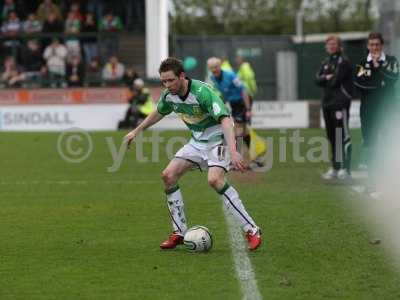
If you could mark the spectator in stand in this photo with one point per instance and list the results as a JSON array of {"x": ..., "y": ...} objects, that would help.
[
  {"x": 72, "y": 24},
  {"x": 46, "y": 8},
  {"x": 31, "y": 56},
  {"x": 75, "y": 72},
  {"x": 90, "y": 46},
  {"x": 110, "y": 24},
  {"x": 76, "y": 10},
  {"x": 32, "y": 25},
  {"x": 113, "y": 71},
  {"x": 51, "y": 25},
  {"x": 93, "y": 76},
  {"x": 130, "y": 76},
  {"x": 72, "y": 27},
  {"x": 10, "y": 29},
  {"x": 32, "y": 61},
  {"x": 8, "y": 6},
  {"x": 56, "y": 55},
  {"x": 96, "y": 7},
  {"x": 12, "y": 74}
]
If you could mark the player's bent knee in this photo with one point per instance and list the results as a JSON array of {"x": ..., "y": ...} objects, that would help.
[
  {"x": 216, "y": 182},
  {"x": 168, "y": 177}
]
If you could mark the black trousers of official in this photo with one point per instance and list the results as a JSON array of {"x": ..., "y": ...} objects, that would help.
[
  {"x": 372, "y": 121},
  {"x": 337, "y": 131},
  {"x": 376, "y": 117}
]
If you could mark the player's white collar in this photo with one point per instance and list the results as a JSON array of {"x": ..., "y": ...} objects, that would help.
[{"x": 381, "y": 58}]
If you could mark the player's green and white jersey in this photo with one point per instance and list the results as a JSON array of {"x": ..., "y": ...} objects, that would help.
[{"x": 200, "y": 109}]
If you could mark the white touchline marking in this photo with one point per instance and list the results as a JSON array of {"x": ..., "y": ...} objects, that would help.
[
  {"x": 360, "y": 189},
  {"x": 359, "y": 174},
  {"x": 244, "y": 270}
]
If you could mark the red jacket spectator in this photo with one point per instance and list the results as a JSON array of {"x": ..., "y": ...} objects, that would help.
[{"x": 76, "y": 10}]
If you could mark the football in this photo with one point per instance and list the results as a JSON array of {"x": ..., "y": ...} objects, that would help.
[{"x": 198, "y": 239}]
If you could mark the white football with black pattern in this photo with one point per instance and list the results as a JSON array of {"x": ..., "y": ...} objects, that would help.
[{"x": 198, "y": 239}]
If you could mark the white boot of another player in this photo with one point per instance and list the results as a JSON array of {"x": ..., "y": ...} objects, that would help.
[
  {"x": 342, "y": 174},
  {"x": 330, "y": 174}
]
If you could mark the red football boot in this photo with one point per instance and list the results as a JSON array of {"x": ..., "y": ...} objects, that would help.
[
  {"x": 254, "y": 240},
  {"x": 174, "y": 239}
]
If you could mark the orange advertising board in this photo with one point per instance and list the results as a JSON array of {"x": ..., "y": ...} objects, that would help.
[{"x": 63, "y": 96}]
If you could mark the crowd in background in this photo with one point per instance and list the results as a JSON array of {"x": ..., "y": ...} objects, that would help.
[{"x": 63, "y": 43}]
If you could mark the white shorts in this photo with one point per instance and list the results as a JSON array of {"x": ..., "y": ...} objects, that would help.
[{"x": 216, "y": 156}]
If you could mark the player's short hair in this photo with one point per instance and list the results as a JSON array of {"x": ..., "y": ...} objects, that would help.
[
  {"x": 171, "y": 64},
  {"x": 334, "y": 37},
  {"x": 213, "y": 61},
  {"x": 376, "y": 36}
]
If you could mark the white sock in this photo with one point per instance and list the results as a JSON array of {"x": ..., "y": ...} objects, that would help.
[
  {"x": 234, "y": 205},
  {"x": 176, "y": 209}
]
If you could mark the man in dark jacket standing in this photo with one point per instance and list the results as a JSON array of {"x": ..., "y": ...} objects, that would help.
[
  {"x": 335, "y": 76},
  {"x": 376, "y": 76}
]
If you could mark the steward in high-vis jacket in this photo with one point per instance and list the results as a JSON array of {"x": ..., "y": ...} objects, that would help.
[{"x": 140, "y": 105}]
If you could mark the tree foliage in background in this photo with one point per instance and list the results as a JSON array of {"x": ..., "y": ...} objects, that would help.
[{"x": 269, "y": 16}]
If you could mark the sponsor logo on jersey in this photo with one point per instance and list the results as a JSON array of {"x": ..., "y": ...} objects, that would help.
[
  {"x": 363, "y": 72},
  {"x": 216, "y": 108},
  {"x": 360, "y": 72},
  {"x": 197, "y": 110},
  {"x": 192, "y": 119}
]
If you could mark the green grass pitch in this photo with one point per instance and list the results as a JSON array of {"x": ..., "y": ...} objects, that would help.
[{"x": 77, "y": 231}]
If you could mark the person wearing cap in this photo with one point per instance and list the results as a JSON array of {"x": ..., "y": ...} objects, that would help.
[{"x": 140, "y": 105}]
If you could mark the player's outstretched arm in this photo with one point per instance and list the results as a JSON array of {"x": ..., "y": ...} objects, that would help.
[
  {"x": 150, "y": 120},
  {"x": 229, "y": 134}
]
